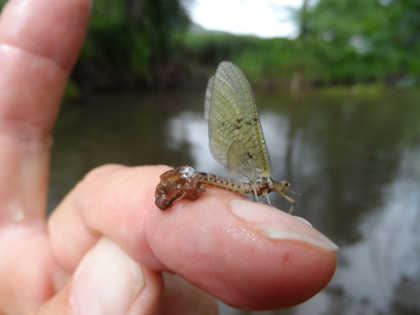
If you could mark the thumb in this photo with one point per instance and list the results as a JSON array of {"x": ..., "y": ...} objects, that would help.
[{"x": 107, "y": 281}]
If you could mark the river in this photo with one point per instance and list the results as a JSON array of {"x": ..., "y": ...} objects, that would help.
[{"x": 353, "y": 157}]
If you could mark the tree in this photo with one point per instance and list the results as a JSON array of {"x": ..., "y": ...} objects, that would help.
[{"x": 366, "y": 39}]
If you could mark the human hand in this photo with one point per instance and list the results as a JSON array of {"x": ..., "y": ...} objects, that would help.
[{"x": 104, "y": 248}]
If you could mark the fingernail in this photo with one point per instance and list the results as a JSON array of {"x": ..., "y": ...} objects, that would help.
[
  {"x": 278, "y": 225},
  {"x": 107, "y": 281}
]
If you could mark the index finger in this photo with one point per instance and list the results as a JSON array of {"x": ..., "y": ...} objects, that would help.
[{"x": 247, "y": 254}]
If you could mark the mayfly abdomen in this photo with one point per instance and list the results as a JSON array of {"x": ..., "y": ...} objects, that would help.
[{"x": 225, "y": 183}]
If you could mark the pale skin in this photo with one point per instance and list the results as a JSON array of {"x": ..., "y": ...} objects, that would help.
[{"x": 105, "y": 247}]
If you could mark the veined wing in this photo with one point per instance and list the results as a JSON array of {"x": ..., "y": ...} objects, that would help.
[{"x": 235, "y": 134}]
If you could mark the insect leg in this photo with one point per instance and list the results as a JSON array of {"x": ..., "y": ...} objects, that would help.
[
  {"x": 267, "y": 197},
  {"x": 291, "y": 201},
  {"x": 255, "y": 193}
]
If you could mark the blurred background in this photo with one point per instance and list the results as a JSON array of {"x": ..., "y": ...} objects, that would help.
[{"x": 337, "y": 84}]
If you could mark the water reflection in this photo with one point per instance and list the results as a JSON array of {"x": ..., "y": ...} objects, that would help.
[
  {"x": 360, "y": 186},
  {"x": 355, "y": 160},
  {"x": 385, "y": 263},
  {"x": 191, "y": 128}
]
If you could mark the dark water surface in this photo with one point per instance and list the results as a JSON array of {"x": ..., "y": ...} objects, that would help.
[{"x": 356, "y": 161}]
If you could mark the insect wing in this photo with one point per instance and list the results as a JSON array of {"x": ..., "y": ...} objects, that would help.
[{"x": 235, "y": 134}]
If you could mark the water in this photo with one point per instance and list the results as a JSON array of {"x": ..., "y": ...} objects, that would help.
[{"x": 356, "y": 161}]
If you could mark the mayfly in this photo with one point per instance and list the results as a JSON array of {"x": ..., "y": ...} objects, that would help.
[{"x": 236, "y": 141}]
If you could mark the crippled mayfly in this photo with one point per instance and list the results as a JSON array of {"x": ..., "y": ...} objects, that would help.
[{"x": 236, "y": 141}]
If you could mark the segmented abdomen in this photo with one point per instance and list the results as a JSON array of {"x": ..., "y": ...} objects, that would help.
[{"x": 225, "y": 183}]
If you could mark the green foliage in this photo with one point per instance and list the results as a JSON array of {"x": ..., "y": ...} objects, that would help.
[
  {"x": 366, "y": 39},
  {"x": 344, "y": 42},
  {"x": 72, "y": 91},
  {"x": 210, "y": 48},
  {"x": 161, "y": 18},
  {"x": 128, "y": 38},
  {"x": 260, "y": 58}
]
